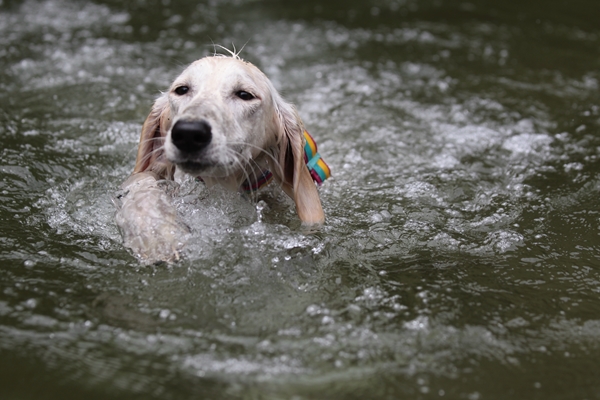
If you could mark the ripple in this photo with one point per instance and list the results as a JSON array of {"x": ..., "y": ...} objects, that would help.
[{"x": 461, "y": 234}]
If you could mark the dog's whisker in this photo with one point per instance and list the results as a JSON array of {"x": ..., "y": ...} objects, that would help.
[
  {"x": 270, "y": 156},
  {"x": 148, "y": 156},
  {"x": 241, "y": 162}
]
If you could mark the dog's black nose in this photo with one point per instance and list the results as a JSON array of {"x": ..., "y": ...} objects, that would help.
[{"x": 191, "y": 136}]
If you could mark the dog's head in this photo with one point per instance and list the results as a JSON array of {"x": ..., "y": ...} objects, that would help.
[{"x": 222, "y": 120}]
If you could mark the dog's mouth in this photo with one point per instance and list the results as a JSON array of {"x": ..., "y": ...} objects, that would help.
[
  {"x": 195, "y": 167},
  {"x": 213, "y": 161},
  {"x": 198, "y": 168}
]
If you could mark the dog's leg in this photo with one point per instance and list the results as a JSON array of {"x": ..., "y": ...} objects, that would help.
[{"x": 148, "y": 221}]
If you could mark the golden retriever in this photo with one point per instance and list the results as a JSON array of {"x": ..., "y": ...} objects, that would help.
[{"x": 223, "y": 122}]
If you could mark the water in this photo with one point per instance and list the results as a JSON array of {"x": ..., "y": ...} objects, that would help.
[{"x": 460, "y": 255}]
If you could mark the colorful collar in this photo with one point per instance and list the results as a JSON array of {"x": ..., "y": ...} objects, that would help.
[
  {"x": 252, "y": 186},
  {"x": 318, "y": 168}
]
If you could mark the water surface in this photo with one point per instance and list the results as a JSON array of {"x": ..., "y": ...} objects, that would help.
[{"x": 460, "y": 254}]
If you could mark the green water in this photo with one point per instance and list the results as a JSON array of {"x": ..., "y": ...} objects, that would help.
[{"x": 460, "y": 258}]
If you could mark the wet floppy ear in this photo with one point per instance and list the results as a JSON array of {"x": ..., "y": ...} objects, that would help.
[
  {"x": 293, "y": 174},
  {"x": 150, "y": 156}
]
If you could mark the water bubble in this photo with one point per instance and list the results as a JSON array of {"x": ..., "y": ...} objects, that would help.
[
  {"x": 313, "y": 310},
  {"x": 31, "y": 303},
  {"x": 418, "y": 324}
]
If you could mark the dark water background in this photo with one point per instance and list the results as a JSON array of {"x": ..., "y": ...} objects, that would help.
[{"x": 461, "y": 253}]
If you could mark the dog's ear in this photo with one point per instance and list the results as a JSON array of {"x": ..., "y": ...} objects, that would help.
[
  {"x": 150, "y": 156},
  {"x": 293, "y": 173}
]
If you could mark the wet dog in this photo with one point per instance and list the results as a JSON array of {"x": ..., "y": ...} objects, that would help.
[{"x": 223, "y": 122}]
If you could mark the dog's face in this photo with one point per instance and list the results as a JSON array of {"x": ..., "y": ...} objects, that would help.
[{"x": 221, "y": 117}]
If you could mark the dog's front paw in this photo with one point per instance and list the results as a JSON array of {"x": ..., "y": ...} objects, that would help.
[{"x": 148, "y": 221}]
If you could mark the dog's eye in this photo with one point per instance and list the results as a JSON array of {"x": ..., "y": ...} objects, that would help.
[
  {"x": 181, "y": 90},
  {"x": 246, "y": 96}
]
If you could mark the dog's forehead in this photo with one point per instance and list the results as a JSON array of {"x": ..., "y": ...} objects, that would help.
[{"x": 224, "y": 69}]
